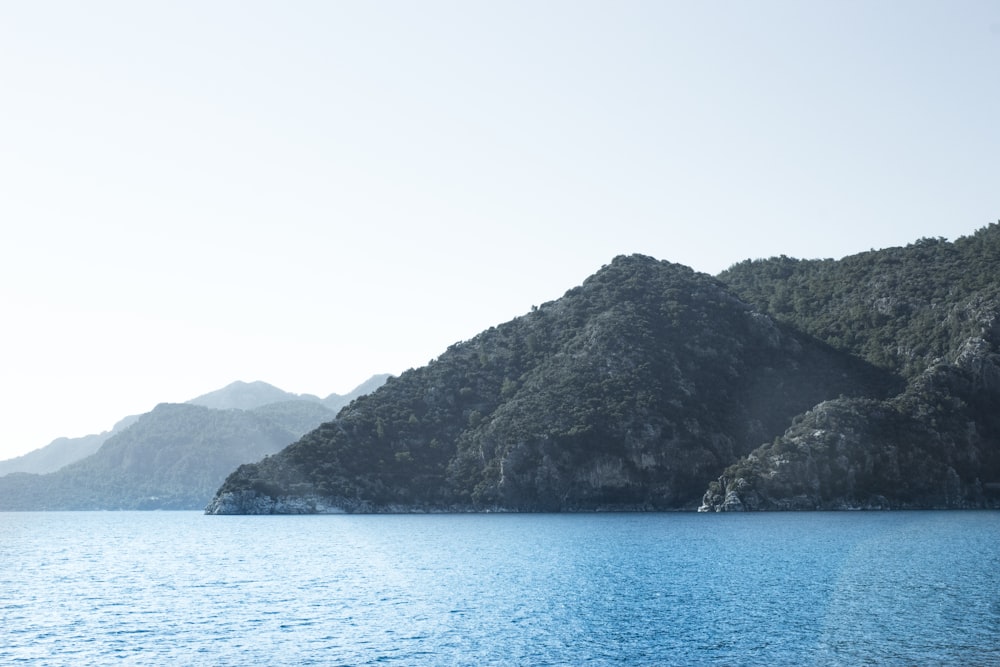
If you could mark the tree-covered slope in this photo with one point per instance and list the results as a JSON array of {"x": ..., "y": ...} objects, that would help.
[
  {"x": 337, "y": 401},
  {"x": 903, "y": 309},
  {"x": 632, "y": 391},
  {"x": 930, "y": 312}
]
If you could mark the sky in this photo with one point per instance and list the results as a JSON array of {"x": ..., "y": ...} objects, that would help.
[{"x": 308, "y": 193}]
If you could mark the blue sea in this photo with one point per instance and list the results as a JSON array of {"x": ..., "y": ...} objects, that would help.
[{"x": 181, "y": 588}]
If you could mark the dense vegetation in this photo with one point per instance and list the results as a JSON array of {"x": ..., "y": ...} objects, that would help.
[
  {"x": 868, "y": 382},
  {"x": 633, "y": 391},
  {"x": 930, "y": 313},
  {"x": 900, "y": 308}
]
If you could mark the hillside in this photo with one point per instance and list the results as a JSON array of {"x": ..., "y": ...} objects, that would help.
[
  {"x": 173, "y": 457},
  {"x": 632, "y": 391},
  {"x": 867, "y": 382},
  {"x": 929, "y": 312},
  {"x": 899, "y": 308}
]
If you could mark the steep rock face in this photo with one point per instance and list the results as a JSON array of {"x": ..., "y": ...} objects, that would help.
[
  {"x": 250, "y": 502},
  {"x": 630, "y": 392}
]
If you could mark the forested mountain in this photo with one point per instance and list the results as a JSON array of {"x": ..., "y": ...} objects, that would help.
[
  {"x": 173, "y": 457},
  {"x": 930, "y": 313},
  {"x": 633, "y": 391},
  {"x": 872, "y": 381},
  {"x": 335, "y": 402},
  {"x": 900, "y": 308}
]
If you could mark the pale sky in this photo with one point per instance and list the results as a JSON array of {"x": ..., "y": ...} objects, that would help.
[{"x": 311, "y": 192}]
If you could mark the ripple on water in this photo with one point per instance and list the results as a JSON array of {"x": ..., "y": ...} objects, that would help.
[{"x": 672, "y": 589}]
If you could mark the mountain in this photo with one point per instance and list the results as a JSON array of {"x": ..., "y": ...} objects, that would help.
[
  {"x": 336, "y": 402},
  {"x": 173, "y": 457},
  {"x": 61, "y": 452},
  {"x": 867, "y": 382},
  {"x": 928, "y": 313},
  {"x": 632, "y": 391},
  {"x": 238, "y": 395},
  {"x": 249, "y": 395}
]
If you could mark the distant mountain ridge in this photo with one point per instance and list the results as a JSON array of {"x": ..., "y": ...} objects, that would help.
[
  {"x": 867, "y": 382},
  {"x": 173, "y": 457},
  {"x": 62, "y": 451},
  {"x": 241, "y": 395},
  {"x": 237, "y": 395}
]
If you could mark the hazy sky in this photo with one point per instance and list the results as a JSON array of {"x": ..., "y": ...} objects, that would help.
[{"x": 309, "y": 193}]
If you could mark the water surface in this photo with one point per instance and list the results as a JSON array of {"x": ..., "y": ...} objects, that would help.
[{"x": 155, "y": 588}]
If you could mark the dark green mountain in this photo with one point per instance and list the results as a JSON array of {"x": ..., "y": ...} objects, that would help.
[
  {"x": 929, "y": 313},
  {"x": 173, "y": 457},
  {"x": 632, "y": 391}
]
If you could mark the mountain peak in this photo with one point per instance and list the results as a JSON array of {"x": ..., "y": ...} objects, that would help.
[{"x": 241, "y": 395}]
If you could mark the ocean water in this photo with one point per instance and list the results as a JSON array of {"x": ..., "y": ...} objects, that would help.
[{"x": 181, "y": 588}]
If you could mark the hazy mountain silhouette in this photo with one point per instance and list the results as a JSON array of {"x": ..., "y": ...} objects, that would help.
[{"x": 173, "y": 457}]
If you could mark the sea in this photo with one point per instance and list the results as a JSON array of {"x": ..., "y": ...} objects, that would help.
[{"x": 182, "y": 588}]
